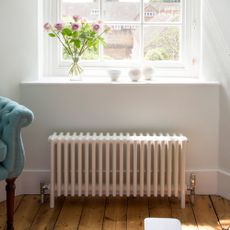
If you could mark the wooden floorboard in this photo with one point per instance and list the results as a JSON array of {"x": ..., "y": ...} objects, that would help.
[
  {"x": 137, "y": 211},
  {"x": 26, "y": 212},
  {"x": 208, "y": 213},
  {"x": 222, "y": 208},
  {"x": 115, "y": 214},
  {"x": 186, "y": 215},
  {"x": 70, "y": 214},
  {"x": 205, "y": 214},
  {"x": 160, "y": 207},
  {"x": 46, "y": 217},
  {"x": 3, "y": 210},
  {"x": 92, "y": 214}
]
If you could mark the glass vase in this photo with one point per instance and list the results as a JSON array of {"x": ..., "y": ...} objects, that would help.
[{"x": 75, "y": 70}]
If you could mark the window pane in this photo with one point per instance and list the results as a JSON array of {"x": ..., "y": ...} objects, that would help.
[
  {"x": 162, "y": 43},
  {"x": 162, "y": 10},
  {"x": 121, "y": 10},
  {"x": 84, "y": 8},
  {"x": 87, "y": 55},
  {"x": 90, "y": 55},
  {"x": 122, "y": 43}
]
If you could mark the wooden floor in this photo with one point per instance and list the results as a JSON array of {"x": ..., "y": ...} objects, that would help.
[{"x": 209, "y": 212}]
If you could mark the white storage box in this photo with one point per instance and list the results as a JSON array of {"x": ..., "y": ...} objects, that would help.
[{"x": 162, "y": 224}]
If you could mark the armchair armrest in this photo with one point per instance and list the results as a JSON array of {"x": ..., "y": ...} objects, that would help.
[{"x": 13, "y": 117}]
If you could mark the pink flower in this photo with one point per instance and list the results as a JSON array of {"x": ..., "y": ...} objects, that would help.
[
  {"x": 58, "y": 26},
  {"x": 75, "y": 26},
  {"x": 76, "y": 18},
  {"x": 47, "y": 26},
  {"x": 96, "y": 27}
]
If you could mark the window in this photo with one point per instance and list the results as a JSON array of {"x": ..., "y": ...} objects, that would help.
[{"x": 162, "y": 32}]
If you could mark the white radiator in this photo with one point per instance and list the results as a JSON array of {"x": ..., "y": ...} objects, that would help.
[{"x": 117, "y": 165}]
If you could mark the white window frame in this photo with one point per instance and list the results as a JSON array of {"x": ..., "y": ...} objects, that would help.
[{"x": 50, "y": 54}]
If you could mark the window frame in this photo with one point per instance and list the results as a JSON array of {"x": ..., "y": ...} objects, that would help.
[{"x": 52, "y": 65}]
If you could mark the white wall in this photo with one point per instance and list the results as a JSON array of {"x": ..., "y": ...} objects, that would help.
[
  {"x": 18, "y": 44},
  {"x": 18, "y": 51},
  {"x": 216, "y": 66},
  {"x": 188, "y": 108}
]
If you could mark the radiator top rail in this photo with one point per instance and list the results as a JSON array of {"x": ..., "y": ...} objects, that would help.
[{"x": 116, "y": 137}]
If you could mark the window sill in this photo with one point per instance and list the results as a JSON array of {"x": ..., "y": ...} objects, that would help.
[{"x": 121, "y": 81}]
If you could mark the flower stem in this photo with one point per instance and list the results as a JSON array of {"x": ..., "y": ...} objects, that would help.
[
  {"x": 75, "y": 69},
  {"x": 66, "y": 48}
]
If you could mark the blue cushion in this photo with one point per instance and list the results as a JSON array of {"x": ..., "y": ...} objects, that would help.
[{"x": 3, "y": 150}]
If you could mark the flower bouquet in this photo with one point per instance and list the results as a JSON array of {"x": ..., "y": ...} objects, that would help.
[{"x": 76, "y": 37}]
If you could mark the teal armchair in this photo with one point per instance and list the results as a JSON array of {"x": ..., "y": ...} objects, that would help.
[{"x": 13, "y": 117}]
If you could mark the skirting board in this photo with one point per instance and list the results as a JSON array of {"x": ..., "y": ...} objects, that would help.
[
  {"x": 224, "y": 184},
  {"x": 29, "y": 182}
]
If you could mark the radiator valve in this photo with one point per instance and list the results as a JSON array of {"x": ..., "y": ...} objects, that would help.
[
  {"x": 192, "y": 187},
  {"x": 43, "y": 191}
]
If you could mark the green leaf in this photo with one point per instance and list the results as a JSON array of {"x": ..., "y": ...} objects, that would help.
[
  {"x": 66, "y": 32},
  {"x": 90, "y": 43},
  {"x": 77, "y": 43},
  {"x": 75, "y": 33},
  {"x": 83, "y": 35},
  {"x": 52, "y": 35}
]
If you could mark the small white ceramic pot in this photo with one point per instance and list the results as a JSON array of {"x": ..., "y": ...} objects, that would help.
[
  {"x": 148, "y": 72},
  {"x": 134, "y": 74},
  {"x": 114, "y": 74}
]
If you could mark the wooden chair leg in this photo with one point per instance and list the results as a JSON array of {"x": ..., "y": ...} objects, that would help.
[{"x": 10, "y": 195}]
